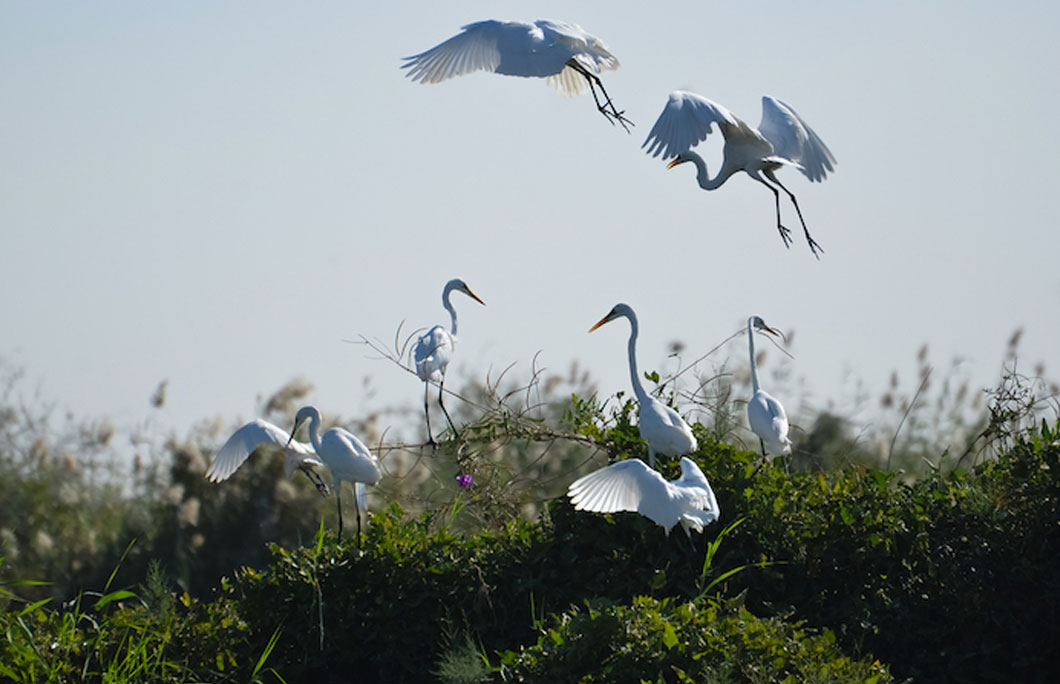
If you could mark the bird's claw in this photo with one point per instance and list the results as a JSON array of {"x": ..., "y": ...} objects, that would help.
[
  {"x": 814, "y": 247},
  {"x": 785, "y": 235}
]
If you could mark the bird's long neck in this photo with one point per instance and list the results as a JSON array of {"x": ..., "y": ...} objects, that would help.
[
  {"x": 314, "y": 431},
  {"x": 452, "y": 312},
  {"x": 634, "y": 376},
  {"x": 751, "y": 346},
  {"x": 703, "y": 177}
]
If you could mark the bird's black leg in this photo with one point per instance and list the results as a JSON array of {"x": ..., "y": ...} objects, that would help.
[
  {"x": 317, "y": 481},
  {"x": 762, "y": 444},
  {"x": 357, "y": 509},
  {"x": 613, "y": 115},
  {"x": 338, "y": 499},
  {"x": 814, "y": 247},
  {"x": 441, "y": 391},
  {"x": 785, "y": 234},
  {"x": 427, "y": 413}
]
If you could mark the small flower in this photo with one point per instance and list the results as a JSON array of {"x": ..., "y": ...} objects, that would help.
[{"x": 464, "y": 481}]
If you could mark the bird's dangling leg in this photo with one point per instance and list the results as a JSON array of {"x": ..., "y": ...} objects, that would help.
[
  {"x": 814, "y": 247},
  {"x": 357, "y": 509},
  {"x": 785, "y": 234},
  {"x": 427, "y": 413},
  {"x": 317, "y": 481},
  {"x": 613, "y": 115},
  {"x": 441, "y": 391}
]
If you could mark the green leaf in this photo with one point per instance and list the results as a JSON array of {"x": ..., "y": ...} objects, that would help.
[
  {"x": 113, "y": 596},
  {"x": 669, "y": 636}
]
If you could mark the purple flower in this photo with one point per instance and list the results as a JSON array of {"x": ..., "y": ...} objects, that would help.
[{"x": 464, "y": 481}]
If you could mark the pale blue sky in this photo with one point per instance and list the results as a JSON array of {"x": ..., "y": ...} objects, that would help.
[{"x": 219, "y": 193}]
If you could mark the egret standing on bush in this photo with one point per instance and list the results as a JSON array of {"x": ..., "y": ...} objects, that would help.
[
  {"x": 631, "y": 485},
  {"x": 568, "y": 57},
  {"x": 433, "y": 350},
  {"x": 782, "y": 139},
  {"x": 346, "y": 457},
  {"x": 764, "y": 413},
  {"x": 660, "y": 426}
]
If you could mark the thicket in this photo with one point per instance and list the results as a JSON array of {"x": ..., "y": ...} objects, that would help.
[{"x": 832, "y": 575}]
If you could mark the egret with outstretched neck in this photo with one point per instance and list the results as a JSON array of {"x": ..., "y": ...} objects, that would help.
[
  {"x": 660, "y": 426},
  {"x": 781, "y": 139},
  {"x": 433, "y": 351},
  {"x": 345, "y": 455}
]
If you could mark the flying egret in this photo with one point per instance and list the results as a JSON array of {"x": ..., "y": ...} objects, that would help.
[
  {"x": 433, "y": 350},
  {"x": 262, "y": 434},
  {"x": 660, "y": 426},
  {"x": 631, "y": 485},
  {"x": 344, "y": 454},
  {"x": 764, "y": 413},
  {"x": 565, "y": 55},
  {"x": 782, "y": 139}
]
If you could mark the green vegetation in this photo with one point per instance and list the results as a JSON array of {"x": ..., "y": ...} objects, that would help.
[{"x": 841, "y": 574}]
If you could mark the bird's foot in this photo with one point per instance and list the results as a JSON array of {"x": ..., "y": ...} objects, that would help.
[
  {"x": 785, "y": 235},
  {"x": 814, "y": 247},
  {"x": 322, "y": 487},
  {"x": 614, "y": 116}
]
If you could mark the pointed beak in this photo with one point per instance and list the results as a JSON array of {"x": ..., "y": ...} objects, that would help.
[
  {"x": 775, "y": 331},
  {"x": 291, "y": 438},
  {"x": 600, "y": 322},
  {"x": 674, "y": 163},
  {"x": 474, "y": 296}
]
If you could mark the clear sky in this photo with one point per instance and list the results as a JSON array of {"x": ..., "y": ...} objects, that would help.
[{"x": 219, "y": 193}]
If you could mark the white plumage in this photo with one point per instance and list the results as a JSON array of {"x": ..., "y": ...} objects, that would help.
[
  {"x": 569, "y": 58},
  {"x": 765, "y": 414},
  {"x": 263, "y": 435},
  {"x": 660, "y": 426},
  {"x": 433, "y": 350},
  {"x": 632, "y": 486},
  {"x": 783, "y": 138}
]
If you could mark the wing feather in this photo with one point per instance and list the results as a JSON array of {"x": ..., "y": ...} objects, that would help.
[
  {"x": 244, "y": 441},
  {"x": 475, "y": 49},
  {"x": 793, "y": 139},
  {"x": 686, "y": 120}
]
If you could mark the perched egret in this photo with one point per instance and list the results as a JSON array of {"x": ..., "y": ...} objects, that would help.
[
  {"x": 631, "y": 485},
  {"x": 764, "y": 413},
  {"x": 660, "y": 426},
  {"x": 263, "y": 434},
  {"x": 782, "y": 139},
  {"x": 344, "y": 454},
  {"x": 433, "y": 350},
  {"x": 564, "y": 54}
]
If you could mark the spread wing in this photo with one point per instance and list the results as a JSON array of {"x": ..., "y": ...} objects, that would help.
[
  {"x": 475, "y": 49},
  {"x": 245, "y": 440},
  {"x": 686, "y": 120},
  {"x": 793, "y": 139},
  {"x": 626, "y": 486}
]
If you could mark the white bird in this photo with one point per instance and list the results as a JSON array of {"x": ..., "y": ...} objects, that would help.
[
  {"x": 782, "y": 139},
  {"x": 261, "y": 434},
  {"x": 565, "y": 55},
  {"x": 344, "y": 454},
  {"x": 631, "y": 485},
  {"x": 660, "y": 426},
  {"x": 764, "y": 413},
  {"x": 433, "y": 350}
]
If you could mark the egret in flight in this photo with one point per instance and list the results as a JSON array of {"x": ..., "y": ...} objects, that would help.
[
  {"x": 566, "y": 56},
  {"x": 660, "y": 426},
  {"x": 433, "y": 350},
  {"x": 782, "y": 139},
  {"x": 344, "y": 454},
  {"x": 259, "y": 435},
  {"x": 631, "y": 485},
  {"x": 764, "y": 413}
]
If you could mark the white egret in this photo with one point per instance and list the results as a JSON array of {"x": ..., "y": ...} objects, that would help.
[
  {"x": 631, "y": 485},
  {"x": 782, "y": 139},
  {"x": 433, "y": 350},
  {"x": 344, "y": 454},
  {"x": 261, "y": 434},
  {"x": 764, "y": 413},
  {"x": 565, "y": 55},
  {"x": 660, "y": 426}
]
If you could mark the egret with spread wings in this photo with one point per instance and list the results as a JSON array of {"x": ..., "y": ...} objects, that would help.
[{"x": 782, "y": 139}]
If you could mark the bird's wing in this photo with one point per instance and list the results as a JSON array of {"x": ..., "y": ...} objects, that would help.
[
  {"x": 628, "y": 485},
  {"x": 686, "y": 121},
  {"x": 792, "y": 139},
  {"x": 768, "y": 420},
  {"x": 431, "y": 353},
  {"x": 665, "y": 429},
  {"x": 244, "y": 441},
  {"x": 475, "y": 49}
]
